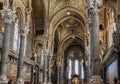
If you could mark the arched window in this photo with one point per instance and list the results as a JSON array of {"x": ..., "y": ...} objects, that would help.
[
  {"x": 76, "y": 67},
  {"x": 69, "y": 69},
  {"x": 16, "y": 38},
  {"x": 82, "y": 70}
]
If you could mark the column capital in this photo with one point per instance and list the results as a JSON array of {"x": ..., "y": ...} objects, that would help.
[
  {"x": 94, "y": 6},
  {"x": 24, "y": 31},
  {"x": 8, "y": 15}
]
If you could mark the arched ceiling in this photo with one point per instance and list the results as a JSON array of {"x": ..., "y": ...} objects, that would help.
[{"x": 56, "y": 5}]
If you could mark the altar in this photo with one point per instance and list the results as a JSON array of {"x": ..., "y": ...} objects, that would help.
[{"x": 75, "y": 80}]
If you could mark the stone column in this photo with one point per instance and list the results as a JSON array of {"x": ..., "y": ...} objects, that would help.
[
  {"x": 58, "y": 68},
  {"x": 62, "y": 70},
  {"x": 23, "y": 35},
  {"x": 46, "y": 65},
  {"x": 8, "y": 15},
  {"x": 93, "y": 9},
  {"x": 49, "y": 81}
]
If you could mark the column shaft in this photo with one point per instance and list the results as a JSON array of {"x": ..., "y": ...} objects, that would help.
[
  {"x": 94, "y": 6},
  {"x": 46, "y": 66},
  {"x": 49, "y": 69},
  {"x": 95, "y": 44},
  {"x": 21, "y": 57},
  {"x": 5, "y": 50}
]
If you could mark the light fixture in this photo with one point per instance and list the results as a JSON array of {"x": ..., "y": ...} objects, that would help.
[
  {"x": 73, "y": 34},
  {"x": 68, "y": 13}
]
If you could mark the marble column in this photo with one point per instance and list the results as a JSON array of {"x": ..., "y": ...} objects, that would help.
[
  {"x": 58, "y": 68},
  {"x": 46, "y": 66},
  {"x": 93, "y": 9},
  {"x": 49, "y": 81},
  {"x": 23, "y": 36},
  {"x": 8, "y": 15}
]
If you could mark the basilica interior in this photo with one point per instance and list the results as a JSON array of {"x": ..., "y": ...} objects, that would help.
[{"x": 59, "y": 41}]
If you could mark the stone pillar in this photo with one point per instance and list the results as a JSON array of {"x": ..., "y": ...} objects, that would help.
[
  {"x": 49, "y": 81},
  {"x": 62, "y": 70},
  {"x": 93, "y": 9},
  {"x": 116, "y": 36},
  {"x": 8, "y": 15},
  {"x": 58, "y": 68},
  {"x": 23, "y": 35},
  {"x": 46, "y": 65},
  {"x": 32, "y": 74}
]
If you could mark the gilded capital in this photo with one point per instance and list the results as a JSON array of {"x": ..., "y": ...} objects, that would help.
[{"x": 8, "y": 15}]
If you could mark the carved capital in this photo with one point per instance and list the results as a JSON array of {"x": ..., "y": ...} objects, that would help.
[
  {"x": 24, "y": 31},
  {"x": 8, "y": 15},
  {"x": 94, "y": 6}
]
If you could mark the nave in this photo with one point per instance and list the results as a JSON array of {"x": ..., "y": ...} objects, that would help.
[{"x": 59, "y": 41}]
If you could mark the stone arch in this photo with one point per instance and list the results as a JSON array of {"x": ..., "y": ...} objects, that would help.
[
  {"x": 54, "y": 21},
  {"x": 19, "y": 16},
  {"x": 42, "y": 42},
  {"x": 113, "y": 6}
]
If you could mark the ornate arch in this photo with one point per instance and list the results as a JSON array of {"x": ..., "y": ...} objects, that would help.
[
  {"x": 19, "y": 15},
  {"x": 111, "y": 5}
]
